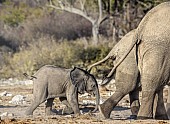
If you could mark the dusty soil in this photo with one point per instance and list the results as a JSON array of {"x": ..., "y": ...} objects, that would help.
[{"x": 120, "y": 114}]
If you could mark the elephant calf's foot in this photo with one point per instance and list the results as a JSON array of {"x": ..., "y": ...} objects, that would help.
[{"x": 67, "y": 110}]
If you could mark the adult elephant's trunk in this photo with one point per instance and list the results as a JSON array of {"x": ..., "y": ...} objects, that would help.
[{"x": 97, "y": 98}]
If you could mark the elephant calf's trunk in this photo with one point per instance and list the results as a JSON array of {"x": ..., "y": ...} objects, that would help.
[{"x": 97, "y": 99}]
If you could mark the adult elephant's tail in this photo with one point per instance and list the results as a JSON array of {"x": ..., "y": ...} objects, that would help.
[
  {"x": 112, "y": 54},
  {"x": 134, "y": 42}
]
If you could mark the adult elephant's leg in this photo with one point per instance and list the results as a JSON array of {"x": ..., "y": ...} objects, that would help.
[
  {"x": 32, "y": 107},
  {"x": 107, "y": 107},
  {"x": 152, "y": 69},
  {"x": 168, "y": 103},
  {"x": 125, "y": 83},
  {"x": 146, "y": 108},
  {"x": 134, "y": 102},
  {"x": 48, "y": 108},
  {"x": 67, "y": 109},
  {"x": 160, "y": 109}
]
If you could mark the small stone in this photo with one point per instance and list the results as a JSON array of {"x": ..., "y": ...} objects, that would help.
[
  {"x": 18, "y": 99},
  {"x": 4, "y": 114},
  {"x": 84, "y": 95},
  {"x": 3, "y": 93},
  {"x": 88, "y": 102},
  {"x": 68, "y": 116},
  {"x": 10, "y": 115},
  {"x": 8, "y": 94}
]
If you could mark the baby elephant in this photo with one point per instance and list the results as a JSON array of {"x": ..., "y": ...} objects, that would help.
[{"x": 51, "y": 82}]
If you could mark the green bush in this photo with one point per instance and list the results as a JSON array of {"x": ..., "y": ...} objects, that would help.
[
  {"x": 13, "y": 16},
  {"x": 48, "y": 51}
]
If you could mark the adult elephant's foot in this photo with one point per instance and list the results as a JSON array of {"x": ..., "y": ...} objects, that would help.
[
  {"x": 134, "y": 110},
  {"x": 67, "y": 110},
  {"x": 106, "y": 109},
  {"x": 28, "y": 112},
  {"x": 162, "y": 117},
  {"x": 143, "y": 117},
  {"x": 133, "y": 117},
  {"x": 168, "y": 109},
  {"x": 48, "y": 111},
  {"x": 135, "y": 107}
]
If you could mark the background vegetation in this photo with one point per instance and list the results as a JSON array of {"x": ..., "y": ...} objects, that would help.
[{"x": 33, "y": 34}]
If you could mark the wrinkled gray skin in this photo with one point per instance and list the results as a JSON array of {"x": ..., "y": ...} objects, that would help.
[
  {"x": 127, "y": 75},
  {"x": 152, "y": 41},
  {"x": 51, "y": 81}
]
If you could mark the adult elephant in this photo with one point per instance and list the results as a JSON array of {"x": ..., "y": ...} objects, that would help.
[
  {"x": 127, "y": 76},
  {"x": 152, "y": 41},
  {"x": 51, "y": 81}
]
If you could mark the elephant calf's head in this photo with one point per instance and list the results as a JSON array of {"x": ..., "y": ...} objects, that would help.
[{"x": 85, "y": 81}]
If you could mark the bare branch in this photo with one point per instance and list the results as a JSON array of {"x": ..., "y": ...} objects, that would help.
[
  {"x": 100, "y": 11},
  {"x": 63, "y": 7},
  {"x": 82, "y": 3},
  {"x": 103, "y": 19}
]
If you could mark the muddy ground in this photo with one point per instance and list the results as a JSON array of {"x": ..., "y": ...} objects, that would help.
[{"x": 14, "y": 113}]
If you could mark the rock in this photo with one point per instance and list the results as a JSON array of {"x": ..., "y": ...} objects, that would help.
[
  {"x": 101, "y": 100},
  {"x": 68, "y": 116},
  {"x": 3, "y": 93},
  {"x": 88, "y": 102},
  {"x": 18, "y": 99},
  {"x": 8, "y": 94},
  {"x": 86, "y": 95},
  {"x": 10, "y": 115},
  {"x": 6, "y": 114},
  {"x": 110, "y": 93}
]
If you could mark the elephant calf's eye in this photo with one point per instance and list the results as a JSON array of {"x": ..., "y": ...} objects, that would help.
[{"x": 93, "y": 86}]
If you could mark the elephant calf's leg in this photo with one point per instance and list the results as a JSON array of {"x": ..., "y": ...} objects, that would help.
[
  {"x": 67, "y": 109},
  {"x": 48, "y": 109}
]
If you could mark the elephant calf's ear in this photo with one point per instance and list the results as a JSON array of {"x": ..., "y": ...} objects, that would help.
[{"x": 73, "y": 76}]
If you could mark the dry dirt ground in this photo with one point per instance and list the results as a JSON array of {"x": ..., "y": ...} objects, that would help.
[{"x": 15, "y": 115}]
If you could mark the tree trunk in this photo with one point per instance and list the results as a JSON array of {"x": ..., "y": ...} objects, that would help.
[{"x": 95, "y": 33}]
